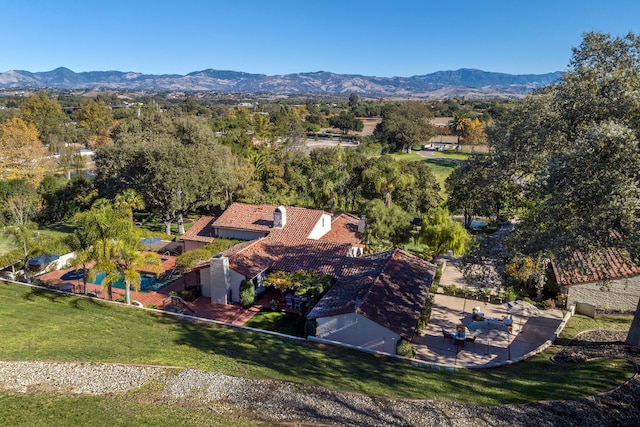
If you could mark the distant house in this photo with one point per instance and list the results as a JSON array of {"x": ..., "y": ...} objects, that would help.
[
  {"x": 607, "y": 278},
  {"x": 376, "y": 302}
]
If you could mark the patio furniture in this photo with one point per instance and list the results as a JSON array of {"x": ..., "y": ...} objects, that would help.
[
  {"x": 446, "y": 334},
  {"x": 471, "y": 339}
]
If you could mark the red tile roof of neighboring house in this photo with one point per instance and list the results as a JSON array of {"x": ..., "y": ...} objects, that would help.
[
  {"x": 391, "y": 291},
  {"x": 573, "y": 267},
  {"x": 344, "y": 229},
  {"x": 200, "y": 231}
]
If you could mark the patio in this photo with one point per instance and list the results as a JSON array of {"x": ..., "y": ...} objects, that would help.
[
  {"x": 449, "y": 311},
  {"x": 201, "y": 307}
]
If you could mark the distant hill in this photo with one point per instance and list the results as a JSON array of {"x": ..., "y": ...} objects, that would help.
[{"x": 442, "y": 84}]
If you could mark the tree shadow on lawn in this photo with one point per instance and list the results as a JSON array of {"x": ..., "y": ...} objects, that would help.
[
  {"x": 73, "y": 301},
  {"x": 301, "y": 361},
  {"x": 344, "y": 369}
]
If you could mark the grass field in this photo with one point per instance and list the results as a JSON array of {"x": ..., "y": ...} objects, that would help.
[
  {"x": 440, "y": 168},
  {"x": 276, "y": 321},
  {"x": 76, "y": 329}
]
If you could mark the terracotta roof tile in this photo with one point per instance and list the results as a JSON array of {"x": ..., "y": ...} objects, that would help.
[
  {"x": 201, "y": 231},
  {"x": 573, "y": 267},
  {"x": 389, "y": 288},
  {"x": 242, "y": 216},
  {"x": 344, "y": 229},
  {"x": 397, "y": 298}
]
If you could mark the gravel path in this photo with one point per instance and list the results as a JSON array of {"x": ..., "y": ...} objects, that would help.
[{"x": 280, "y": 401}]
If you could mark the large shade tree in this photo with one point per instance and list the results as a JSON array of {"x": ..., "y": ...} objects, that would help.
[
  {"x": 573, "y": 148},
  {"x": 174, "y": 164},
  {"x": 406, "y": 125}
]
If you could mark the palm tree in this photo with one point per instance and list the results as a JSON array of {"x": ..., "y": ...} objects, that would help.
[
  {"x": 25, "y": 236},
  {"x": 130, "y": 201},
  {"x": 130, "y": 260},
  {"x": 386, "y": 176},
  {"x": 458, "y": 125},
  {"x": 81, "y": 259},
  {"x": 105, "y": 225}
]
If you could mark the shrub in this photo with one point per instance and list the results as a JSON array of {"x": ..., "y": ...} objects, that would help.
[
  {"x": 549, "y": 303},
  {"x": 434, "y": 288},
  {"x": 151, "y": 306},
  {"x": 562, "y": 299},
  {"x": 247, "y": 293},
  {"x": 450, "y": 289},
  {"x": 310, "y": 328},
  {"x": 510, "y": 294},
  {"x": 404, "y": 348},
  {"x": 121, "y": 299},
  {"x": 186, "y": 295},
  {"x": 423, "y": 321}
]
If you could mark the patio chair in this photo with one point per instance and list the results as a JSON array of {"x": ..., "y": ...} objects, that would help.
[
  {"x": 446, "y": 334},
  {"x": 471, "y": 339}
]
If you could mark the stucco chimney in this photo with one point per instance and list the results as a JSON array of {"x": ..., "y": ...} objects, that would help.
[
  {"x": 279, "y": 217},
  {"x": 362, "y": 224},
  {"x": 219, "y": 280}
]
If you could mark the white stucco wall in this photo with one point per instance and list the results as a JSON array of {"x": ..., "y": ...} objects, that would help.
[
  {"x": 219, "y": 279},
  {"x": 239, "y": 234},
  {"x": 357, "y": 330},
  {"x": 617, "y": 294},
  {"x": 322, "y": 227}
]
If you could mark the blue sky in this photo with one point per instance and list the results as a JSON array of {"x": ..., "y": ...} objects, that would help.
[{"x": 400, "y": 38}]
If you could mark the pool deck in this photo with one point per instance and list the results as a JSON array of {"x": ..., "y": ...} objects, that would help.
[{"x": 202, "y": 307}]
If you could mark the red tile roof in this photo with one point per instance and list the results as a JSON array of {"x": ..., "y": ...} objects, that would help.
[
  {"x": 344, "y": 229},
  {"x": 573, "y": 267},
  {"x": 391, "y": 291},
  {"x": 266, "y": 253},
  {"x": 200, "y": 231},
  {"x": 242, "y": 216}
]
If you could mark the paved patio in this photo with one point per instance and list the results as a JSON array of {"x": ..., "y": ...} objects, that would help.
[
  {"x": 449, "y": 311},
  {"x": 202, "y": 307}
]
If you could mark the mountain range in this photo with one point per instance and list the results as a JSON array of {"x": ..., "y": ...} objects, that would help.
[{"x": 470, "y": 83}]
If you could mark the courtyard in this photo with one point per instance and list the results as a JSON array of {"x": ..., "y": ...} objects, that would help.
[{"x": 488, "y": 349}]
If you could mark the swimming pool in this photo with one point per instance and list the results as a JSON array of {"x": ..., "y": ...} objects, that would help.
[{"x": 148, "y": 282}]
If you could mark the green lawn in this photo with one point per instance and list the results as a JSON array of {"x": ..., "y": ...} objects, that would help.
[
  {"x": 48, "y": 326},
  {"x": 59, "y": 230},
  {"x": 454, "y": 155},
  {"x": 278, "y": 321},
  {"x": 130, "y": 409},
  {"x": 441, "y": 168}
]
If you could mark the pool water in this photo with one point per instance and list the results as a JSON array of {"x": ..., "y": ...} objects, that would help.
[{"x": 148, "y": 282}]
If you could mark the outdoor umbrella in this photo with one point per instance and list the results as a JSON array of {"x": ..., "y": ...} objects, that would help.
[
  {"x": 43, "y": 259},
  {"x": 489, "y": 331},
  {"x": 522, "y": 309}
]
